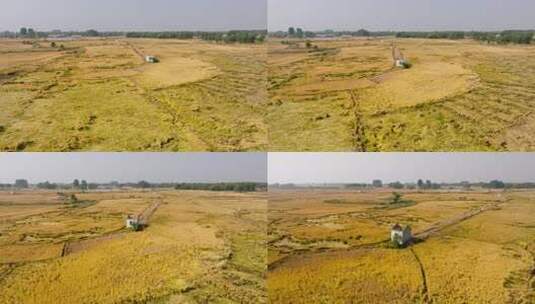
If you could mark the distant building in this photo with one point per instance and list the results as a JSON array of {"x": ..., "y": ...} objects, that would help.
[
  {"x": 151, "y": 59},
  {"x": 401, "y": 236}
]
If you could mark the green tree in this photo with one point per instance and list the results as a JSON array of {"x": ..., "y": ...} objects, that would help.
[
  {"x": 362, "y": 33},
  {"x": 496, "y": 184},
  {"x": 76, "y": 184},
  {"x": 420, "y": 184},
  {"x": 397, "y": 185},
  {"x": 299, "y": 33},
  {"x": 377, "y": 183},
  {"x": 23, "y": 31},
  {"x": 143, "y": 184},
  {"x": 92, "y": 33},
  {"x": 47, "y": 185},
  {"x": 396, "y": 198},
  {"x": 31, "y": 33},
  {"x": 83, "y": 185},
  {"x": 21, "y": 184},
  {"x": 291, "y": 32},
  {"x": 310, "y": 34},
  {"x": 73, "y": 199}
]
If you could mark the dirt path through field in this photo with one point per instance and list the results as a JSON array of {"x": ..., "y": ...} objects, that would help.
[
  {"x": 149, "y": 212},
  {"x": 136, "y": 50},
  {"x": 439, "y": 226}
]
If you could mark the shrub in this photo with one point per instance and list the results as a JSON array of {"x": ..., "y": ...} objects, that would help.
[
  {"x": 396, "y": 198},
  {"x": 407, "y": 65},
  {"x": 73, "y": 199}
]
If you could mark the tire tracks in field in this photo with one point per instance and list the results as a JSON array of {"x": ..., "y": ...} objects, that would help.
[
  {"x": 531, "y": 279},
  {"x": 9, "y": 268},
  {"x": 425, "y": 290},
  {"x": 65, "y": 249},
  {"x": 519, "y": 284},
  {"x": 167, "y": 108},
  {"x": 358, "y": 131},
  {"x": 135, "y": 50}
]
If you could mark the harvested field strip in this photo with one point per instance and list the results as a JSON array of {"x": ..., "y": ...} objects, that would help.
[
  {"x": 480, "y": 98},
  {"x": 149, "y": 212},
  {"x": 82, "y": 245},
  {"x": 72, "y": 247},
  {"x": 296, "y": 254},
  {"x": 422, "y": 235},
  {"x": 218, "y": 107},
  {"x": 437, "y": 227},
  {"x": 194, "y": 250},
  {"x": 461, "y": 260}
]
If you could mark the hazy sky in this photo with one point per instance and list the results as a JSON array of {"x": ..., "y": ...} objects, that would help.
[
  {"x": 133, "y": 167},
  {"x": 402, "y": 15},
  {"x": 133, "y": 14},
  {"x": 404, "y": 167}
]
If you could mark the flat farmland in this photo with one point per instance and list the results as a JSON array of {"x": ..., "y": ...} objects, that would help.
[
  {"x": 198, "y": 247},
  {"x": 345, "y": 95},
  {"x": 332, "y": 246},
  {"x": 101, "y": 95}
]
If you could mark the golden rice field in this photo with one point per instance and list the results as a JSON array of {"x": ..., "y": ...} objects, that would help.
[
  {"x": 100, "y": 95},
  {"x": 345, "y": 95},
  {"x": 198, "y": 247},
  {"x": 332, "y": 246}
]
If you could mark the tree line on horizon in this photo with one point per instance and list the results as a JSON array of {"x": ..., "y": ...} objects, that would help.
[
  {"x": 252, "y": 36},
  {"x": 503, "y": 37},
  {"x": 232, "y": 187},
  {"x": 233, "y": 36},
  {"x": 420, "y": 184},
  {"x": 83, "y": 185},
  {"x": 30, "y": 33},
  {"x": 429, "y": 185},
  {"x": 499, "y": 37}
]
